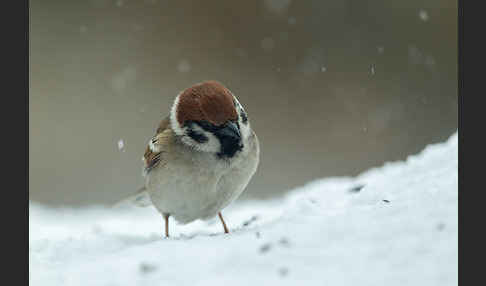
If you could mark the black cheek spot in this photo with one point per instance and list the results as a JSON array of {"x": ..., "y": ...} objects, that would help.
[{"x": 198, "y": 137}]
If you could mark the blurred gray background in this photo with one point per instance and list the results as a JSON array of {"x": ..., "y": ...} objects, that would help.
[{"x": 332, "y": 88}]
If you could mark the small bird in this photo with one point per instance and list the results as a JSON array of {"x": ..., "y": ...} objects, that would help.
[{"x": 202, "y": 156}]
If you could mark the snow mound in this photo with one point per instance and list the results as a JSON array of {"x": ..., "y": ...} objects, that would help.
[{"x": 393, "y": 225}]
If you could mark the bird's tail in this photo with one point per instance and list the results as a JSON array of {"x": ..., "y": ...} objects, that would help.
[{"x": 140, "y": 198}]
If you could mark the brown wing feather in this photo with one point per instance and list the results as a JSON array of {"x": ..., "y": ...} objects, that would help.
[{"x": 152, "y": 157}]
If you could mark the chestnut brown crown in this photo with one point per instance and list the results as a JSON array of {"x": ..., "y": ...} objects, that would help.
[{"x": 209, "y": 101}]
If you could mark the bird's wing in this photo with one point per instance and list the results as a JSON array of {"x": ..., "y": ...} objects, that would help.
[
  {"x": 157, "y": 146},
  {"x": 152, "y": 157}
]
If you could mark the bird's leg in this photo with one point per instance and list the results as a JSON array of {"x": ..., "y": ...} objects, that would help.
[
  {"x": 166, "y": 219},
  {"x": 224, "y": 224}
]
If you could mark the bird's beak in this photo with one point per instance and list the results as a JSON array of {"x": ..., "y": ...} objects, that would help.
[
  {"x": 230, "y": 138},
  {"x": 230, "y": 131}
]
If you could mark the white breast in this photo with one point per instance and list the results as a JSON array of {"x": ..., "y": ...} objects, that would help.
[{"x": 197, "y": 185}]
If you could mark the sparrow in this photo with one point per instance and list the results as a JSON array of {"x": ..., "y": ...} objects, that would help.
[{"x": 202, "y": 156}]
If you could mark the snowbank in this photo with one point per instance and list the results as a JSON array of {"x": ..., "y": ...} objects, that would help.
[{"x": 393, "y": 225}]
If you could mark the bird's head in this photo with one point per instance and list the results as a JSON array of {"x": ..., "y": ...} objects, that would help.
[{"x": 208, "y": 118}]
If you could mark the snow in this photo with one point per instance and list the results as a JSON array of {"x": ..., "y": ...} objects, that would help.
[
  {"x": 423, "y": 15},
  {"x": 121, "y": 144},
  {"x": 392, "y": 225},
  {"x": 268, "y": 44},
  {"x": 83, "y": 29},
  {"x": 277, "y": 6},
  {"x": 123, "y": 79},
  {"x": 184, "y": 66}
]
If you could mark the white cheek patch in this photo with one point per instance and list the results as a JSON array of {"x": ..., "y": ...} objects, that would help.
[{"x": 212, "y": 145}]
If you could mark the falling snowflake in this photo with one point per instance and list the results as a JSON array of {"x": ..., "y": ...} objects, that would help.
[
  {"x": 277, "y": 6},
  {"x": 121, "y": 144},
  {"x": 184, "y": 66},
  {"x": 268, "y": 44},
  {"x": 123, "y": 79},
  {"x": 424, "y": 16},
  {"x": 241, "y": 53},
  {"x": 429, "y": 61}
]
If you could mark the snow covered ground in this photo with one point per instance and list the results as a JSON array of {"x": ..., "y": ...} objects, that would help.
[{"x": 393, "y": 225}]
